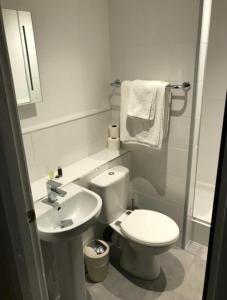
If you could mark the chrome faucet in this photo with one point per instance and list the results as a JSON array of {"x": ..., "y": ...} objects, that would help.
[{"x": 53, "y": 191}]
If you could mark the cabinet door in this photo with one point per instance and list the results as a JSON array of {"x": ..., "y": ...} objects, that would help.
[
  {"x": 30, "y": 57},
  {"x": 22, "y": 54},
  {"x": 16, "y": 55}
]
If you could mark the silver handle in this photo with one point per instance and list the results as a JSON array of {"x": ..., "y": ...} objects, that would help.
[
  {"x": 53, "y": 184},
  {"x": 27, "y": 56}
]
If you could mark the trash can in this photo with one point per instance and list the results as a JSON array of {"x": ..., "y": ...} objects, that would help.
[{"x": 96, "y": 255}]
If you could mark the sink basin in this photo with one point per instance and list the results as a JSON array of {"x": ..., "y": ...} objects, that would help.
[
  {"x": 63, "y": 222},
  {"x": 79, "y": 209}
]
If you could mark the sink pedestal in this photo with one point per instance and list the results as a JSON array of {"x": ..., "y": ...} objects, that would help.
[
  {"x": 82, "y": 207},
  {"x": 70, "y": 265}
]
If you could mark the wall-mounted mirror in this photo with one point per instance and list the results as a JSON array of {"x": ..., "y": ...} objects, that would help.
[{"x": 22, "y": 54}]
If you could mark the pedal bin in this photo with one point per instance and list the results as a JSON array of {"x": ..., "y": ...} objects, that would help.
[{"x": 96, "y": 255}]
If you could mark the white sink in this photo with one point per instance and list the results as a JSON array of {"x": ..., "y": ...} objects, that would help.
[{"x": 81, "y": 207}]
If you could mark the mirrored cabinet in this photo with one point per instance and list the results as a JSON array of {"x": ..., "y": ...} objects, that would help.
[{"x": 22, "y": 55}]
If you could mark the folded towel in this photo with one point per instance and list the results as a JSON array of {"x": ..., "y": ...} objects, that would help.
[
  {"x": 142, "y": 99},
  {"x": 149, "y": 133}
]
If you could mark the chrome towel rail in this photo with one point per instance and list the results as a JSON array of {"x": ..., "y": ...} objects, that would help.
[{"x": 185, "y": 86}]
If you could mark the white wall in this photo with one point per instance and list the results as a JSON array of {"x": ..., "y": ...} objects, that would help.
[
  {"x": 150, "y": 39},
  {"x": 157, "y": 40},
  {"x": 72, "y": 41},
  {"x": 215, "y": 86}
]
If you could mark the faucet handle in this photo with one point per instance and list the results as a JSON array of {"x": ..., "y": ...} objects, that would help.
[
  {"x": 53, "y": 190},
  {"x": 53, "y": 184}
]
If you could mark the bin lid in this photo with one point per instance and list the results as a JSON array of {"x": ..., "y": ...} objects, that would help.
[{"x": 96, "y": 249}]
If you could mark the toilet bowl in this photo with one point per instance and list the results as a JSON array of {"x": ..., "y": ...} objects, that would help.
[{"x": 141, "y": 234}]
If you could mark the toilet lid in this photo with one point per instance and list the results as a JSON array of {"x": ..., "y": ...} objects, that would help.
[{"x": 150, "y": 228}]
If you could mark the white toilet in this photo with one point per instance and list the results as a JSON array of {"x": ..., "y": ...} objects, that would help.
[{"x": 142, "y": 234}]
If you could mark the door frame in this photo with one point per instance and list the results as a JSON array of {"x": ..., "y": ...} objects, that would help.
[
  {"x": 21, "y": 242},
  {"x": 216, "y": 269}
]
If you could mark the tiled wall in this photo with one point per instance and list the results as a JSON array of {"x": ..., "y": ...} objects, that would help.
[
  {"x": 215, "y": 86},
  {"x": 64, "y": 144},
  {"x": 157, "y": 40},
  {"x": 72, "y": 41}
]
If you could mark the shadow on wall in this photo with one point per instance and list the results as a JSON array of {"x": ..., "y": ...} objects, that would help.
[{"x": 149, "y": 169}]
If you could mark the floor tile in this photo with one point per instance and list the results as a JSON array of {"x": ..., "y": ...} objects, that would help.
[
  {"x": 197, "y": 250},
  {"x": 181, "y": 278}
]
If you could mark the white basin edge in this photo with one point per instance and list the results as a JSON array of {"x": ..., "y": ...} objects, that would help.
[{"x": 42, "y": 208}]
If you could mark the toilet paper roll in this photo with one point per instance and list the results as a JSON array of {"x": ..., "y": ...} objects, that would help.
[
  {"x": 114, "y": 131},
  {"x": 113, "y": 144}
]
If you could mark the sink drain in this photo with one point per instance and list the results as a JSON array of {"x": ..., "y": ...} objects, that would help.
[{"x": 111, "y": 173}]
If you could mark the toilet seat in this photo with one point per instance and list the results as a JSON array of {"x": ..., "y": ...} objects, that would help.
[{"x": 150, "y": 228}]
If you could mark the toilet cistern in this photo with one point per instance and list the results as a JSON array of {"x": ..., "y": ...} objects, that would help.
[{"x": 53, "y": 191}]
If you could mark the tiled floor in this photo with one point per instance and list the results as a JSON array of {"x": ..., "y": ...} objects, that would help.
[{"x": 181, "y": 278}]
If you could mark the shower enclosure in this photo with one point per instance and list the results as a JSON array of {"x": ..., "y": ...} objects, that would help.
[{"x": 209, "y": 109}]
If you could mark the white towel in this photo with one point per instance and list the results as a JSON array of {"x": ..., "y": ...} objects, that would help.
[
  {"x": 149, "y": 133},
  {"x": 142, "y": 99}
]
